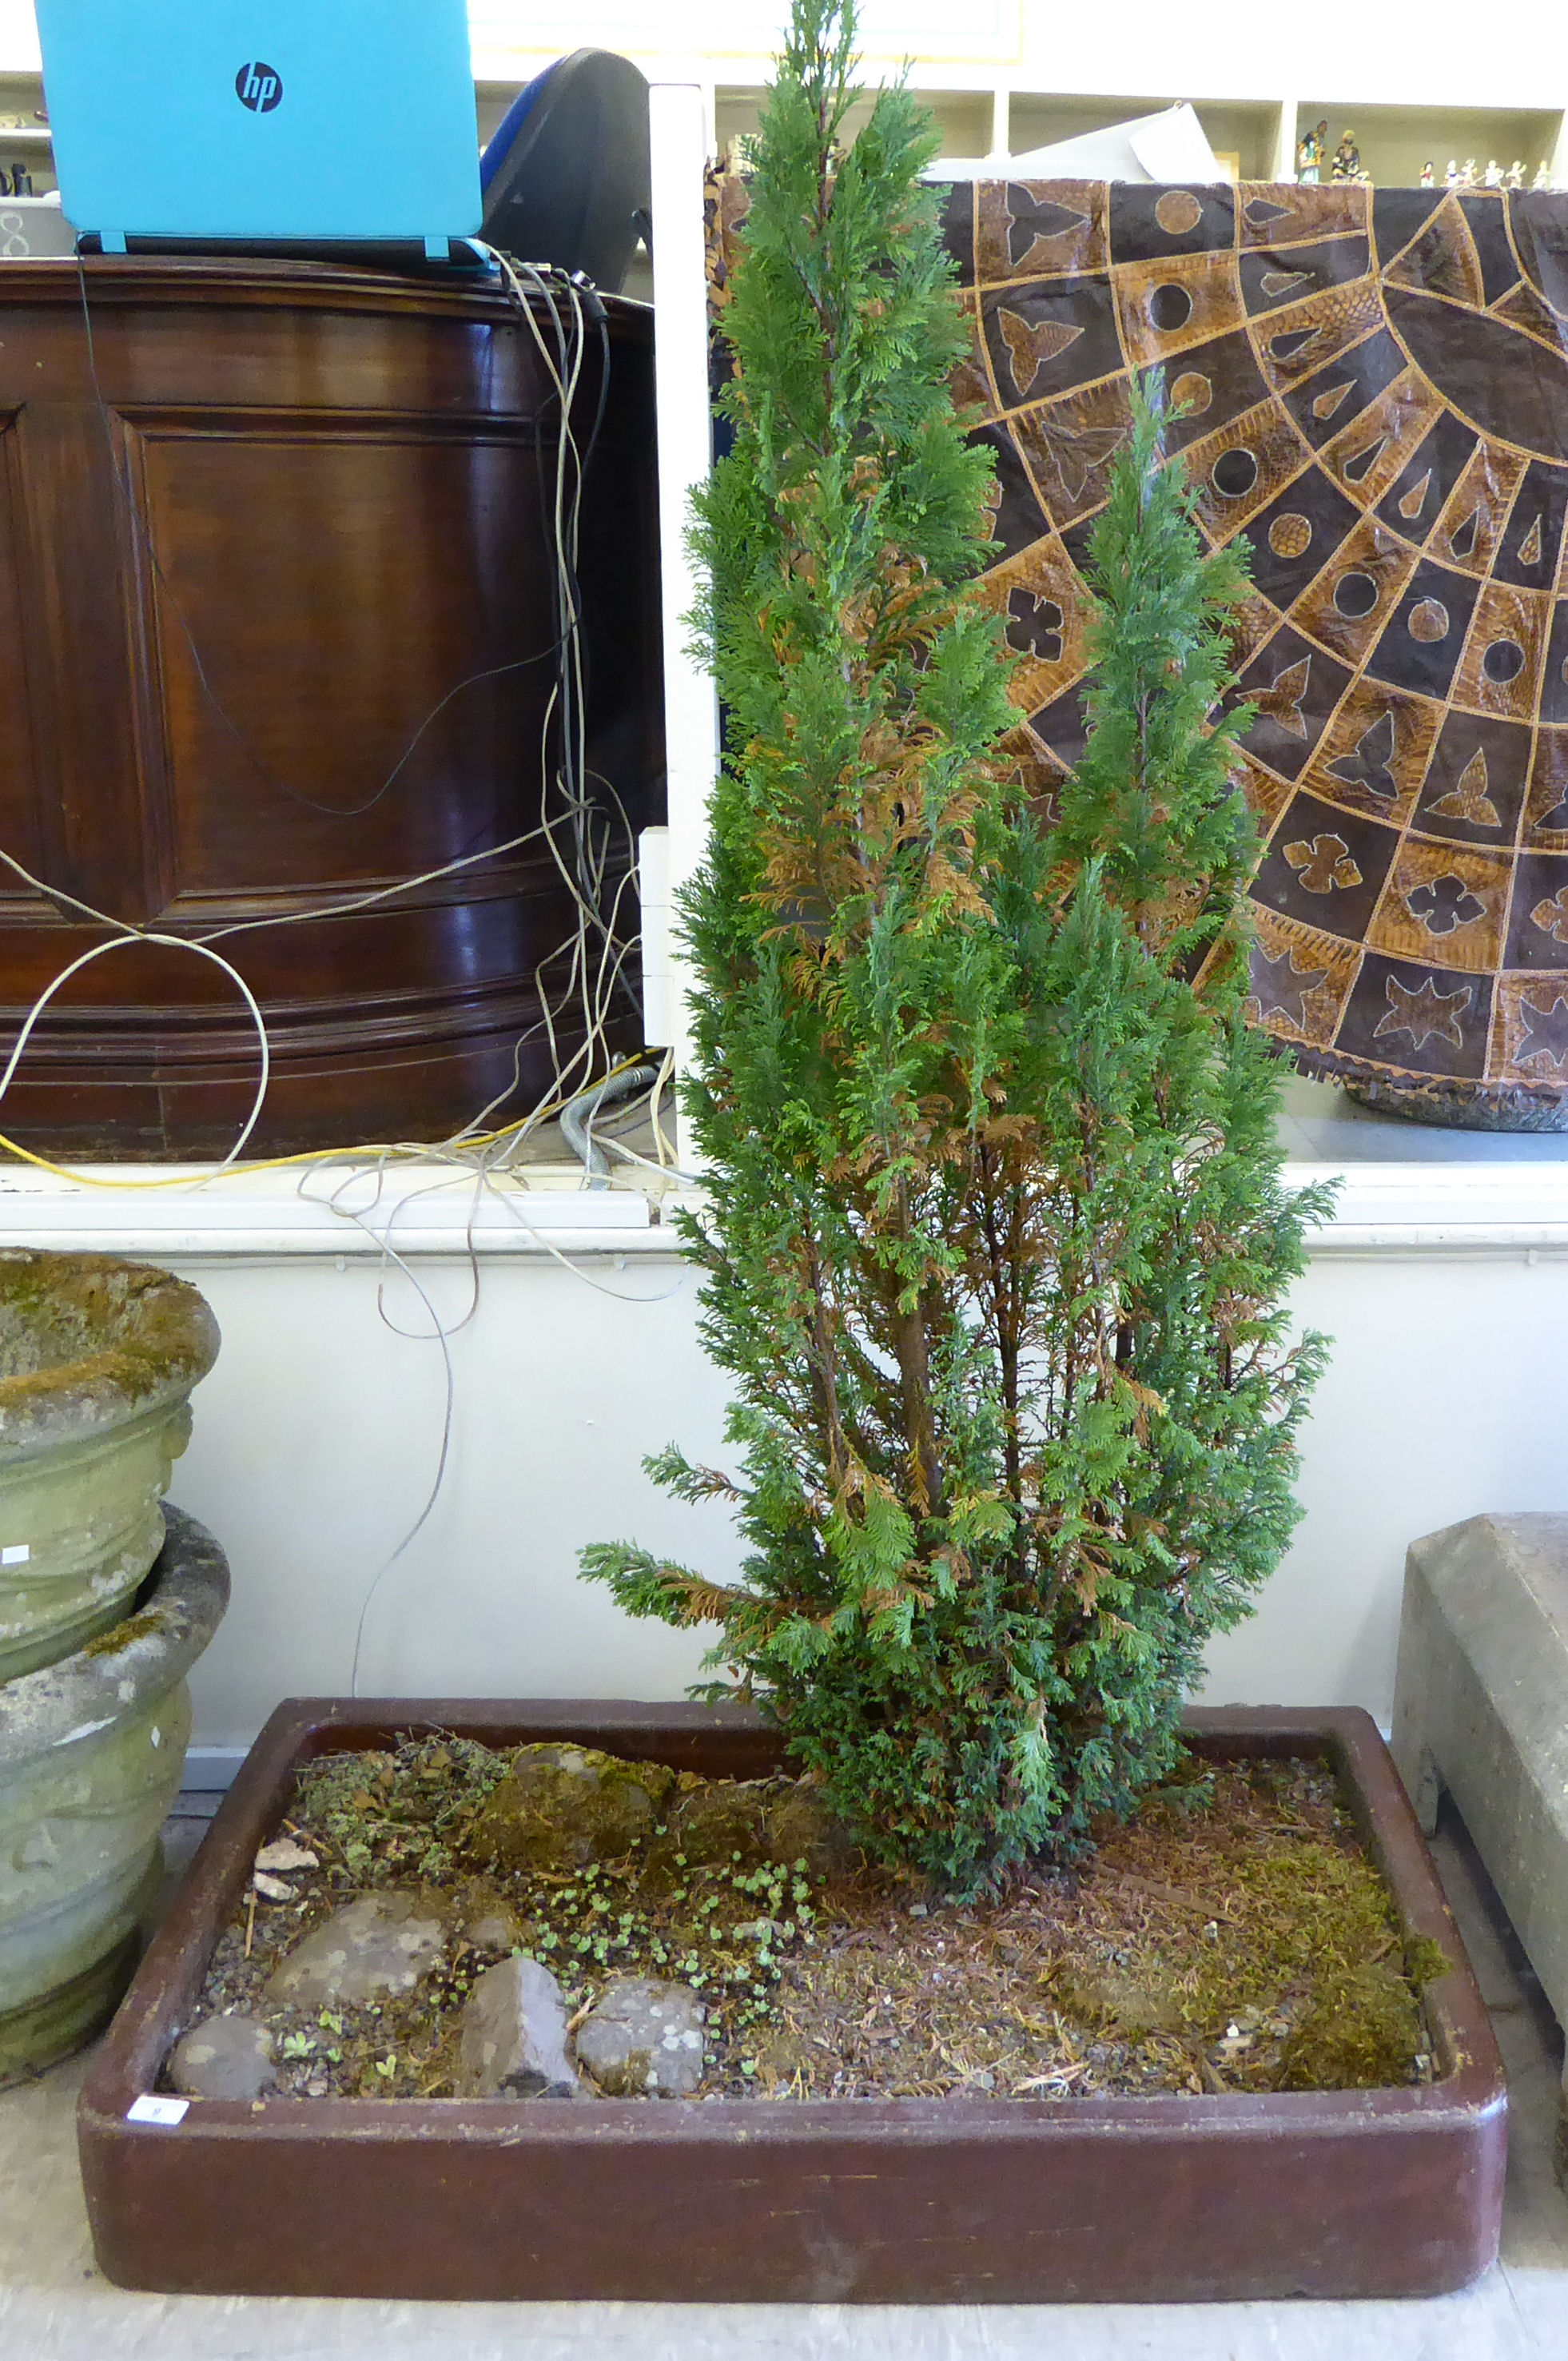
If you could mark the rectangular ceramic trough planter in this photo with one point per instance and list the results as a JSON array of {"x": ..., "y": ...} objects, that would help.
[{"x": 1364, "y": 2194}]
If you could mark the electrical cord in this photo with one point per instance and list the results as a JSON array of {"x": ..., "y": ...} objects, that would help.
[
  {"x": 177, "y": 942},
  {"x": 592, "y": 981},
  {"x": 594, "y": 955}
]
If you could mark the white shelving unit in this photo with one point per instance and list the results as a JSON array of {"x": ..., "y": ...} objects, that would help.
[
  {"x": 29, "y": 145},
  {"x": 986, "y": 120}
]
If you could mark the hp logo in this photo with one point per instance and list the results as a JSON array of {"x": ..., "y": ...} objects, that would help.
[{"x": 258, "y": 87}]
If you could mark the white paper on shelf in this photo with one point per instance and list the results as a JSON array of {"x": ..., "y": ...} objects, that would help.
[{"x": 1170, "y": 146}]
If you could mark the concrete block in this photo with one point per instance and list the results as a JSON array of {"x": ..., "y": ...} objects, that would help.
[{"x": 1481, "y": 1709}]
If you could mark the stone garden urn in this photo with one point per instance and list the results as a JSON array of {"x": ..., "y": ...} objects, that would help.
[
  {"x": 106, "y": 1601},
  {"x": 92, "y": 1752},
  {"x": 97, "y": 1360}
]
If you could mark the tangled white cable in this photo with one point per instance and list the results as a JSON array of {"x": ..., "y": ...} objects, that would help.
[{"x": 171, "y": 942}]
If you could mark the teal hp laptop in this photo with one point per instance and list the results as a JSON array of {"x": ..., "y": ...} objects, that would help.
[{"x": 263, "y": 123}]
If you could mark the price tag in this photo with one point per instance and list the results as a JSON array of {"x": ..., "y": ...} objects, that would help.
[
  {"x": 148, "y": 2110},
  {"x": 16, "y": 1553}
]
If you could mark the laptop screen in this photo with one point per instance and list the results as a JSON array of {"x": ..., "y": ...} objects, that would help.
[{"x": 263, "y": 119}]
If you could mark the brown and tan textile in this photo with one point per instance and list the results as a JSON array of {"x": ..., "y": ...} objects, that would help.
[{"x": 1376, "y": 393}]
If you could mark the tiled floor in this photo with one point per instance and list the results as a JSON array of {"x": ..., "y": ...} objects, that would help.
[{"x": 54, "y": 2306}]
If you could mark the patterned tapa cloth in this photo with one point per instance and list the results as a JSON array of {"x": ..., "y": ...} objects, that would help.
[{"x": 1376, "y": 390}]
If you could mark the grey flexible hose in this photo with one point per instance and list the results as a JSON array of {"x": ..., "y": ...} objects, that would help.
[{"x": 577, "y": 1115}]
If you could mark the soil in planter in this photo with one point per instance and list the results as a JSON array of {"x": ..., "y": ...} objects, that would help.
[{"x": 1233, "y": 1936}]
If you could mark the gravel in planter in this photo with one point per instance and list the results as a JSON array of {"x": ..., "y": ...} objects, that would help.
[{"x": 1234, "y": 1935}]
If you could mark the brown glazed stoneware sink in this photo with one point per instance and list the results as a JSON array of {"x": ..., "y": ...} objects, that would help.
[{"x": 1393, "y": 2192}]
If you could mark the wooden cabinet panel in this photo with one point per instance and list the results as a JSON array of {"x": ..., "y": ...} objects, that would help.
[
  {"x": 274, "y": 543},
  {"x": 283, "y": 729}
]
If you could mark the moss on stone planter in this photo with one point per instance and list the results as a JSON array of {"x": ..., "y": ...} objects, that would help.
[{"x": 97, "y": 1359}]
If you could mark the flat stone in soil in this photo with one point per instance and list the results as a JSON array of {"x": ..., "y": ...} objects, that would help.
[
  {"x": 513, "y": 2037},
  {"x": 373, "y": 1947},
  {"x": 644, "y": 2039},
  {"x": 223, "y": 2057}
]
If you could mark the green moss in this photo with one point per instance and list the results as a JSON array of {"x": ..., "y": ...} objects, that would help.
[
  {"x": 1360, "y": 2031},
  {"x": 1425, "y": 1960},
  {"x": 125, "y": 1635}
]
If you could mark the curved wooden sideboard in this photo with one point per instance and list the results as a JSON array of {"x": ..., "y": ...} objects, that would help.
[{"x": 268, "y": 531}]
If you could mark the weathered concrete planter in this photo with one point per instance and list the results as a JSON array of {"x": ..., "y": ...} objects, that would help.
[
  {"x": 1481, "y": 1707},
  {"x": 91, "y": 1755},
  {"x": 97, "y": 1360},
  {"x": 1361, "y": 2194}
]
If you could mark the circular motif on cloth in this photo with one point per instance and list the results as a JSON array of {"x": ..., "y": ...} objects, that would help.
[
  {"x": 1178, "y": 212},
  {"x": 1170, "y": 307},
  {"x": 1503, "y": 662},
  {"x": 1193, "y": 392},
  {"x": 1235, "y": 473},
  {"x": 1291, "y": 535},
  {"x": 1429, "y": 622},
  {"x": 1356, "y": 595}
]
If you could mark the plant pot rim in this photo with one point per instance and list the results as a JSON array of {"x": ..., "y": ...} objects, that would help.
[
  {"x": 167, "y": 1625},
  {"x": 162, "y": 1341},
  {"x": 1435, "y": 2155}
]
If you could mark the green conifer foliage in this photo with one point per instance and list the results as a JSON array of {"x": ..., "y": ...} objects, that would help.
[{"x": 994, "y": 1234}]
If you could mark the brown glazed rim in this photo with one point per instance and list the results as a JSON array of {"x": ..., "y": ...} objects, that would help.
[{"x": 1470, "y": 2071}]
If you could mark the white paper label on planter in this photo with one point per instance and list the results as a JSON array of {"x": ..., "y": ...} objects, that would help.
[
  {"x": 16, "y": 1553},
  {"x": 148, "y": 2110}
]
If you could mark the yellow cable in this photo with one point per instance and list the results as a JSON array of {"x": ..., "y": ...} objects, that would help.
[{"x": 409, "y": 1150}]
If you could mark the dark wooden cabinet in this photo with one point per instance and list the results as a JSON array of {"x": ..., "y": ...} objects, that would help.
[{"x": 277, "y": 628}]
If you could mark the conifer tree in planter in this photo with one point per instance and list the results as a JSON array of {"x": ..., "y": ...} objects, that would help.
[
  {"x": 995, "y": 1247},
  {"x": 996, "y": 1235}
]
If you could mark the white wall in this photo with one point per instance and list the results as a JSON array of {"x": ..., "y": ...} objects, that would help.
[
  {"x": 1442, "y": 1282},
  {"x": 1446, "y": 1397},
  {"x": 317, "y": 1435}
]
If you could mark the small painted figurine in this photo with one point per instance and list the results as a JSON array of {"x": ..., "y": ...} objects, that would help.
[
  {"x": 1543, "y": 178},
  {"x": 1451, "y": 178},
  {"x": 1311, "y": 149},
  {"x": 1347, "y": 158},
  {"x": 21, "y": 181},
  {"x": 1467, "y": 179},
  {"x": 1427, "y": 175},
  {"x": 1493, "y": 178},
  {"x": 1514, "y": 178}
]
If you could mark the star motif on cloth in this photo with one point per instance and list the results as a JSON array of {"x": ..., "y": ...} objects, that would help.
[
  {"x": 1445, "y": 904},
  {"x": 1031, "y": 344},
  {"x": 1280, "y": 701},
  {"x": 1469, "y": 801},
  {"x": 1323, "y": 863},
  {"x": 1545, "y": 1032},
  {"x": 1278, "y": 988},
  {"x": 1425, "y": 1013},
  {"x": 1551, "y": 917},
  {"x": 1031, "y": 219},
  {"x": 1075, "y": 452},
  {"x": 1369, "y": 765}
]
